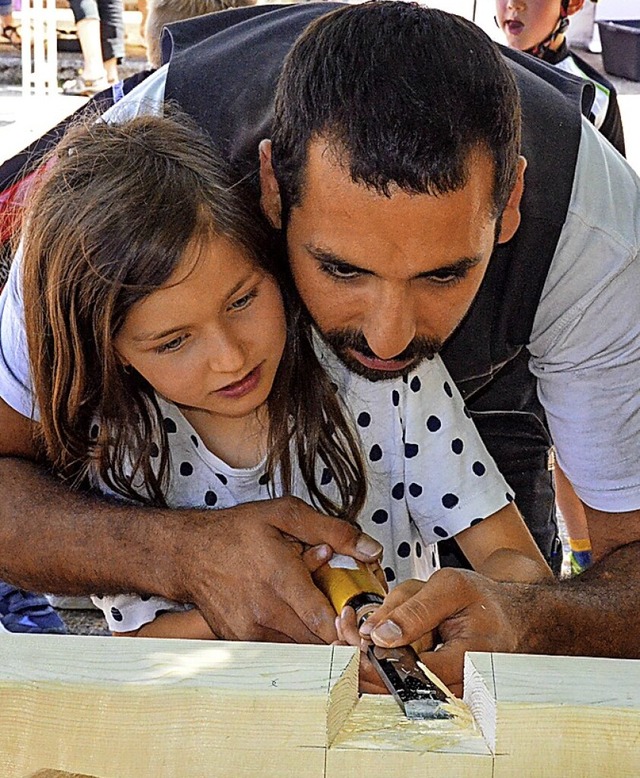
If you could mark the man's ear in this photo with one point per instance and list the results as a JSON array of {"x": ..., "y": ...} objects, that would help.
[
  {"x": 269, "y": 189},
  {"x": 511, "y": 214},
  {"x": 574, "y": 6}
]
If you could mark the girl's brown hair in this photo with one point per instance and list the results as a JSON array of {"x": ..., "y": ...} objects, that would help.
[{"x": 108, "y": 224}]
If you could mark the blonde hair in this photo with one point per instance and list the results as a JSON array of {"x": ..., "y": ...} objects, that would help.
[{"x": 163, "y": 12}]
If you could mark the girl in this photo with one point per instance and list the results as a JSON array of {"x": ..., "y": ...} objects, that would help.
[{"x": 169, "y": 368}]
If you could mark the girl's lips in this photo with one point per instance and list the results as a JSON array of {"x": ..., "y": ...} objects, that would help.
[
  {"x": 244, "y": 386},
  {"x": 514, "y": 27}
]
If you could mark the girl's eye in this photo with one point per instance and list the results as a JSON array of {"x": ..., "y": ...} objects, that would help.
[
  {"x": 172, "y": 345},
  {"x": 339, "y": 271},
  {"x": 244, "y": 301}
]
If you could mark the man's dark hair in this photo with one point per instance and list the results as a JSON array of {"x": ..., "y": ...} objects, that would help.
[{"x": 403, "y": 94}]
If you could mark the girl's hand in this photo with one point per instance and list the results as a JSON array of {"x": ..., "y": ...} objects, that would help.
[{"x": 348, "y": 635}]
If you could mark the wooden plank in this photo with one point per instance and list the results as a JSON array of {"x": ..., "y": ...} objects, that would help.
[
  {"x": 566, "y": 716},
  {"x": 141, "y": 707}
]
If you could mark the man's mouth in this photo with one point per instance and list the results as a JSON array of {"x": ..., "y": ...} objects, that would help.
[{"x": 385, "y": 365}]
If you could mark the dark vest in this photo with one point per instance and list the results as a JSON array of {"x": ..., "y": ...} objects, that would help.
[{"x": 223, "y": 71}]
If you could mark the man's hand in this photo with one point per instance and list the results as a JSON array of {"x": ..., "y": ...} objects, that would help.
[
  {"x": 249, "y": 577},
  {"x": 467, "y": 611}
]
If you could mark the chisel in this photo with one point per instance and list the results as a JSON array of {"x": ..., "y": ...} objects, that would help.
[{"x": 346, "y": 581}]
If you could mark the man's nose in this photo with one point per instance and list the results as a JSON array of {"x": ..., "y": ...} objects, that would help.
[{"x": 391, "y": 325}]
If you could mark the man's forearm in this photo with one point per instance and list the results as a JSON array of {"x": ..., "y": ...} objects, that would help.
[
  {"x": 594, "y": 614},
  {"x": 52, "y": 539}
]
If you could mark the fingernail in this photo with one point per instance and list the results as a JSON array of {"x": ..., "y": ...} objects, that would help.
[
  {"x": 345, "y": 612},
  {"x": 367, "y": 546},
  {"x": 324, "y": 552},
  {"x": 387, "y": 632},
  {"x": 366, "y": 628}
]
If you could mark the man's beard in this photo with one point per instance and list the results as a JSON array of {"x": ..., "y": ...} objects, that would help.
[{"x": 341, "y": 341}]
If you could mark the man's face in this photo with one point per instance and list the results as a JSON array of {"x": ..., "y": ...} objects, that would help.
[{"x": 388, "y": 279}]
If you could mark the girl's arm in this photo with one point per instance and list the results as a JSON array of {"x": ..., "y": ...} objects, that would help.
[
  {"x": 189, "y": 625},
  {"x": 501, "y": 547}
]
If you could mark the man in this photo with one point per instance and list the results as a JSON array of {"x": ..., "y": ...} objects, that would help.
[{"x": 408, "y": 227}]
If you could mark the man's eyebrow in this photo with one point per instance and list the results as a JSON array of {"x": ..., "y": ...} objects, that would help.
[
  {"x": 457, "y": 268},
  {"x": 326, "y": 255}
]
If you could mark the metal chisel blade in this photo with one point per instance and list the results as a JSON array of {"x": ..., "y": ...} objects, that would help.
[{"x": 415, "y": 693}]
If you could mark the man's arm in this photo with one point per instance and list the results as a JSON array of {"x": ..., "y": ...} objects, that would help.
[
  {"x": 236, "y": 565},
  {"x": 594, "y": 614}
]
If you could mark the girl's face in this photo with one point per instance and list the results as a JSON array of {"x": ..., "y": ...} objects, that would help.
[
  {"x": 212, "y": 337},
  {"x": 526, "y": 23}
]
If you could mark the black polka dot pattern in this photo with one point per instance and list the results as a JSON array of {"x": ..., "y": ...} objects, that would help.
[
  {"x": 474, "y": 522},
  {"x": 509, "y": 497},
  {"x": 450, "y": 500},
  {"x": 364, "y": 419},
  {"x": 411, "y": 450},
  {"x": 433, "y": 424},
  {"x": 95, "y": 431},
  {"x": 154, "y": 451},
  {"x": 380, "y": 516},
  {"x": 457, "y": 446},
  {"x": 478, "y": 468},
  {"x": 116, "y": 615},
  {"x": 424, "y": 461},
  {"x": 375, "y": 454},
  {"x": 398, "y": 491}
]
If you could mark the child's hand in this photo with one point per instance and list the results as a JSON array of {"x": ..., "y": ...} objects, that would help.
[{"x": 348, "y": 635}]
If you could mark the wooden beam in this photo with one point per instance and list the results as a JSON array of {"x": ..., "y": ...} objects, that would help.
[
  {"x": 120, "y": 707},
  {"x": 142, "y": 708},
  {"x": 566, "y": 716}
]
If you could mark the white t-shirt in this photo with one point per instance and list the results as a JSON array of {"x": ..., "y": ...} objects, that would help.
[{"x": 429, "y": 475}]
